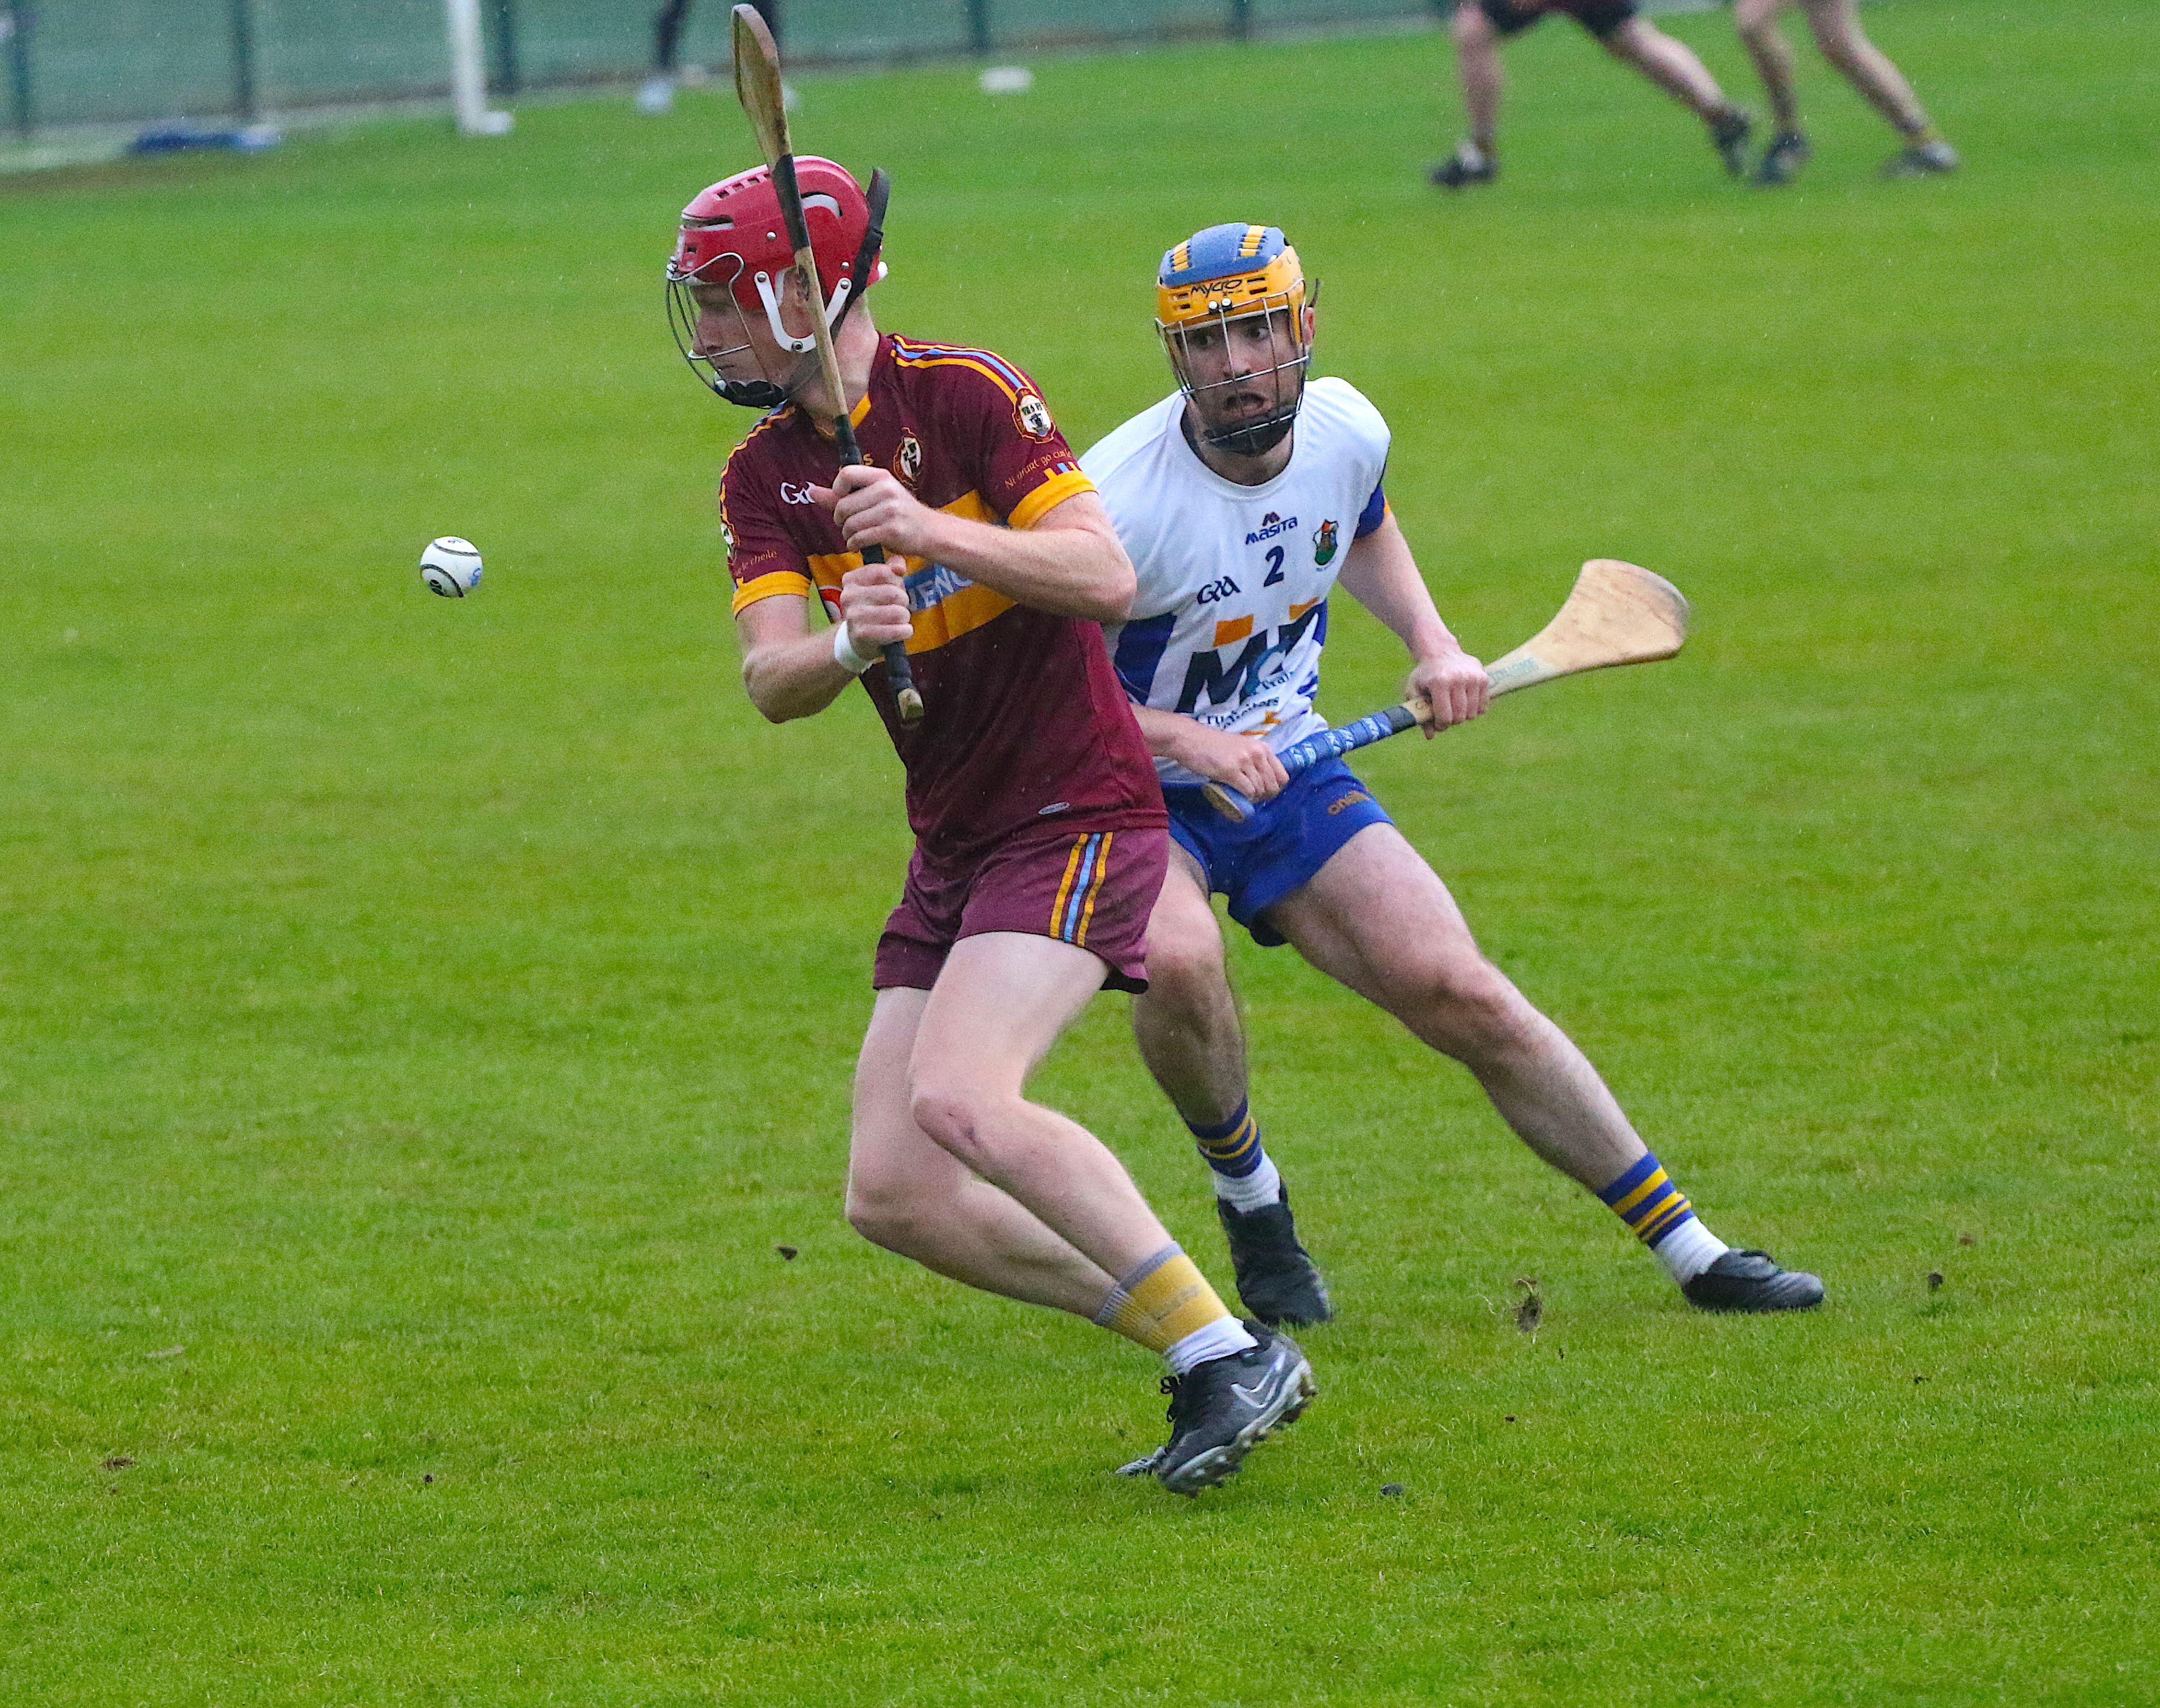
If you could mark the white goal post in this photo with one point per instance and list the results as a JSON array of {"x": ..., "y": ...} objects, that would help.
[{"x": 469, "y": 73}]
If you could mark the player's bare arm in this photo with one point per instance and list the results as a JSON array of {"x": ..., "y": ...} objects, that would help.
[
  {"x": 1245, "y": 762},
  {"x": 1069, "y": 563},
  {"x": 1380, "y": 572},
  {"x": 791, "y": 670}
]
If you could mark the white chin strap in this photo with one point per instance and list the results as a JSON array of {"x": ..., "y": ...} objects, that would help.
[{"x": 770, "y": 296}]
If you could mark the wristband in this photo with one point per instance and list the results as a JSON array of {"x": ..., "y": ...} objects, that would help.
[{"x": 845, "y": 654}]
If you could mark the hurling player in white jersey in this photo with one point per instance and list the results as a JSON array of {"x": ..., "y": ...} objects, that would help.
[{"x": 1243, "y": 499}]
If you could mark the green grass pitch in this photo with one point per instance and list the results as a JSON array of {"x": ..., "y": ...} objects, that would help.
[{"x": 420, "y": 1023}]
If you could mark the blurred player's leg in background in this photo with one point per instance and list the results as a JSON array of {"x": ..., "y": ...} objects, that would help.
[
  {"x": 1846, "y": 45},
  {"x": 1378, "y": 920},
  {"x": 1673, "y": 66},
  {"x": 1868, "y": 69},
  {"x": 1476, "y": 159},
  {"x": 656, "y": 94},
  {"x": 1756, "y": 22},
  {"x": 1193, "y": 1040}
]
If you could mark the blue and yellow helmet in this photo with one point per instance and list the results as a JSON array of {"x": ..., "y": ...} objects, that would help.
[
  {"x": 1225, "y": 274},
  {"x": 1226, "y": 270}
]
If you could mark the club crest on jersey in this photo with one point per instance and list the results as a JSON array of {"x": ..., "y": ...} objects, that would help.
[
  {"x": 1033, "y": 415},
  {"x": 1323, "y": 543},
  {"x": 1270, "y": 526},
  {"x": 907, "y": 460}
]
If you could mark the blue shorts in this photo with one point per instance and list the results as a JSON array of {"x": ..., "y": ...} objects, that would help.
[{"x": 1281, "y": 847}]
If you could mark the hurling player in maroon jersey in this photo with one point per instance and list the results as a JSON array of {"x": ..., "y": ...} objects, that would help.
[{"x": 1040, "y": 828}]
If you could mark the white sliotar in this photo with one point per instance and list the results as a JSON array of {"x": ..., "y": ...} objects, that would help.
[{"x": 450, "y": 565}]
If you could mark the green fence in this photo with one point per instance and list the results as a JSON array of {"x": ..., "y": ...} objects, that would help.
[{"x": 74, "y": 62}]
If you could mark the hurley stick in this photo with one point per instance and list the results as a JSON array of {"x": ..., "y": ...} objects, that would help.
[
  {"x": 1617, "y": 614},
  {"x": 757, "y": 86}
]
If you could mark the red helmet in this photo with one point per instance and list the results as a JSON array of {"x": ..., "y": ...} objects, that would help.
[{"x": 733, "y": 234}]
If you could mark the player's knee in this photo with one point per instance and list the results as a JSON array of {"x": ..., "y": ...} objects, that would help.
[
  {"x": 1460, "y": 1003},
  {"x": 1185, "y": 967},
  {"x": 1471, "y": 27},
  {"x": 957, "y": 1118},
  {"x": 883, "y": 1218},
  {"x": 1755, "y": 18}
]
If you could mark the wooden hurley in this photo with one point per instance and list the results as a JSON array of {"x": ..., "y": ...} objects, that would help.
[
  {"x": 757, "y": 86},
  {"x": 1617, "y": 614}
]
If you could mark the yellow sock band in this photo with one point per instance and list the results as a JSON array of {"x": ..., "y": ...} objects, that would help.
[{"x": 1160, "y": 1302}]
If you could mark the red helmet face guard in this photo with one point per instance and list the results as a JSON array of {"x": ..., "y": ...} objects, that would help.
[{"x": 733, "y": 237}]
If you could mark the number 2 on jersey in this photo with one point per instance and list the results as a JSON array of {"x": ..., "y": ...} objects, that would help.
[{"x": 1274, "y": 566}]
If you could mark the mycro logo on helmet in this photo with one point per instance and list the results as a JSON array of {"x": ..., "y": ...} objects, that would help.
[{"x": 1270, "y": 526}]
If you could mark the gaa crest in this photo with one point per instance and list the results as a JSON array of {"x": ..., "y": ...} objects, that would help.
[
  {"x": 1033, "y": 415},
  {"x": 1323, "y": 543},
  {"x": 907, "y": 460}
]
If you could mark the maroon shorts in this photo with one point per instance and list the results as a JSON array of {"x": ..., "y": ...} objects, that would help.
[{"x": 1093, "y": 888}]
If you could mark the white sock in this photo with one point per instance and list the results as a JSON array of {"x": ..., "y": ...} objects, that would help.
[
  {"x": 1248, "y": 1192},
  {"x": 1219, "y": 1339},
  {"x": 1690, "y": 1250}
]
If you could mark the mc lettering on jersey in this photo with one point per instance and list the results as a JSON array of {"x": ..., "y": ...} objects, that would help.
[
  {"x": 1270, "y": 526},
  {"x": 1208, "y": 681}
]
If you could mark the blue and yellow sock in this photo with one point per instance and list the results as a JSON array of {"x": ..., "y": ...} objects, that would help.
[
  {"x": 1246, "y": 1178},
  {"x": 1646, "y": 1199}
]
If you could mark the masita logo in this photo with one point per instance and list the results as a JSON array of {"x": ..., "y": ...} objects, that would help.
[{"x": 1270, "y": 526}]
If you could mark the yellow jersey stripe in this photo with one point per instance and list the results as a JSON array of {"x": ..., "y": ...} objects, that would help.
[
  {"x": 1046, "y": 497},
  {"x": 958, "y": 361},
  {"x": 771, "y": 586}
]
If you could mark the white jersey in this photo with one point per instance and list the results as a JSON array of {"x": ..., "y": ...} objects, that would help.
[{"x": 1232, "y": 610}]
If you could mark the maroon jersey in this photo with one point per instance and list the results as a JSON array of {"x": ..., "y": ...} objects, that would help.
[{"x": 1025, "y": 719}]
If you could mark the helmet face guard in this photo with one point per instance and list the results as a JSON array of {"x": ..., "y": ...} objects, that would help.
[
  {"x": 693, "y": 325},
  {"x": 733, "y": 244},
  {"x": 1224, "y": 294}
]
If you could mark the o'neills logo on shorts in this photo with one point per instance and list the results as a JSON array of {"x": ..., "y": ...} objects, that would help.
[{"x": 1270, "y": 526}]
